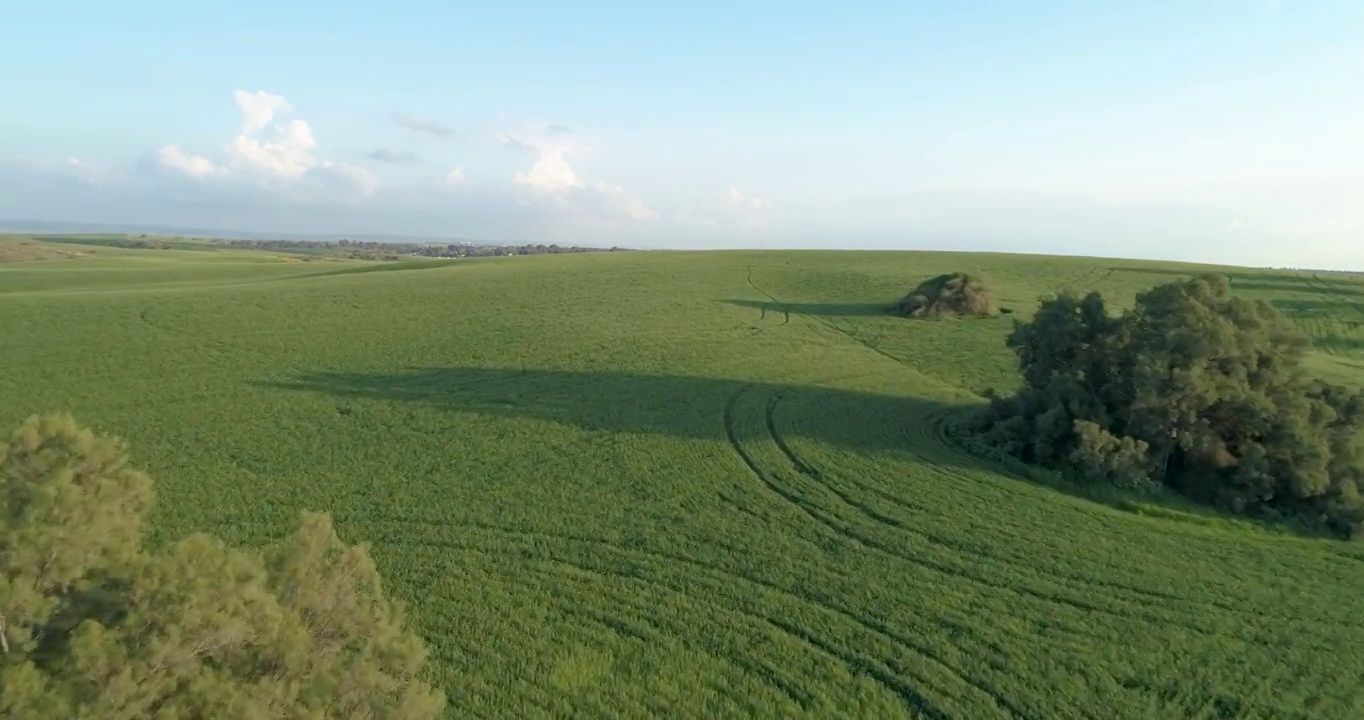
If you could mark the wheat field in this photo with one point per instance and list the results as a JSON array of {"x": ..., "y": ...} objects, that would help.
[{"x": 709, "y": 484}]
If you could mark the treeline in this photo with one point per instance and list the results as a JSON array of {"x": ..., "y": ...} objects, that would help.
[
  {"x": 143, "y": 242},
  {"x": 371, "y": 249},
  {"x": 1192, "y": 389},
  {"x": 466, "y": 250},
  {"x": 354, "y": 249}
]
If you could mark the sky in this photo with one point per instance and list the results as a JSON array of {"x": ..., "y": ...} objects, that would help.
[{"x": 1228, "y": 131}]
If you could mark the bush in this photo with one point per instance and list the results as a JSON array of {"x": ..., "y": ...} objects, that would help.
[
  {"x": 1100, "y": 455},
  {"x": 947, "y": 295},
  {"x": 1192, "y": 388},
  {"x": 94, "y": 625}
]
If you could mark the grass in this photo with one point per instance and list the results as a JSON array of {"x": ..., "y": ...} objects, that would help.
[{"x": 690, "y": 484}]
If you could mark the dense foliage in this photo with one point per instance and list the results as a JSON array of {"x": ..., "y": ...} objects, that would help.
[
  {"x": 1194, "y": 388},
  {"x": 94, "y": 625},
  {"x": 947, "y": 295}
]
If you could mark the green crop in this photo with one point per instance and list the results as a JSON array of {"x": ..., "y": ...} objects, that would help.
[{"x": 713, "y": 484}]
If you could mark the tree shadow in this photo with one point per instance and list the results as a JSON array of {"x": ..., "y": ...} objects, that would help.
[
  {"x": 1343, "y": 311},
  {"x": 1331, "y": 326},
  {"x": 386, "y": 266},
  {"x": 732, "y": 411},
  {"x": 671, "y": 405},
  {"x": 1338, "y": 343},
  {"x": 1304, "y": 285},
  {"x": 816, "y": 309},
  {"x": 1324, "y": 283}
]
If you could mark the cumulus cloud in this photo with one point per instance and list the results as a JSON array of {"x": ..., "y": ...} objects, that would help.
[
  {"x": 425, "y": 126},
  {"x": 455, "y": 177},
  {"x": 275, "y": 153},
  {"x": 287, "y": 152},
  {"x": 258, "y": 108},
  {"x": 550, "y": 173},
  {"x": 550, "y": 178},
  {"x": 396, "y": 157}
]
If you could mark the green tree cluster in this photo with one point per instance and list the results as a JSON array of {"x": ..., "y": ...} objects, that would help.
[
  {"x": 1193, "y": 388},
  {"x": 95, "y": 625}
]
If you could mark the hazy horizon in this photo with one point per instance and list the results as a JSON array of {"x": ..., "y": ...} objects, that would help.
[{"x": 1217, "y": 132}]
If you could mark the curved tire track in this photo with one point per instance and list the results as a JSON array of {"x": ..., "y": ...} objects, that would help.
[
  {"x": 892, "y": 682},
  {"x": 863, "y": 540},
  {"x": 1134, "y": 602}
]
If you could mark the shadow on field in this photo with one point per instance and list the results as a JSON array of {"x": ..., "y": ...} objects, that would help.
[
  {"x": 1303, "y": 285},
  {"x": 1272, "y": 281},
  {"x": 387, "y": 266},
  {"x": 1317, "y": 307},
  {"x": 1338, "y": 343},
  {"x": 1267, "y": 276},
  {"x": 817, "y": 309},
  {"x": 678, "y": 406},
  {"x": 733, "y": 411},
  {"x": 1332, "y": 326}
]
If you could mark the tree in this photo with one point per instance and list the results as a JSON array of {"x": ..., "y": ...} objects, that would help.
[
  {"x": 1193, "y": 388},
  {"x": 94, "y": 625}
]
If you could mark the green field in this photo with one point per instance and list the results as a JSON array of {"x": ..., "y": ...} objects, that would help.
[{"x": 713, "y": 484}]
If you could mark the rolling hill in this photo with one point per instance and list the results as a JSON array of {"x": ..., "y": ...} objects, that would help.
[{"x": 707, "y": 484}]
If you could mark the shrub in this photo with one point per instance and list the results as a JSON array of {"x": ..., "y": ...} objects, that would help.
[
  {"x": 92, "y": 624},
  {"x": 1100, "y": 455},
  {"x": 947, "y": 295}
]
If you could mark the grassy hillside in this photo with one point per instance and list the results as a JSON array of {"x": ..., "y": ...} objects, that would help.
[{"x": 692, "y": 485}]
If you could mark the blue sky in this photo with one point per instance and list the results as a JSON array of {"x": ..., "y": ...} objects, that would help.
[{"x": 1221, "y": 130}]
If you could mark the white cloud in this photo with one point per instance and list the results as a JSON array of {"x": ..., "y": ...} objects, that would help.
[
  {"x": 288, "y": 153},
  {"x": 550, "y": 178},
  {"x": 456, "y": 177},
  {"x": 271, "y": 151},
  {"x": 171, "y": 157},
  {"x": 550, "y": 173},
  {"x": 258, "y": 108}
]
